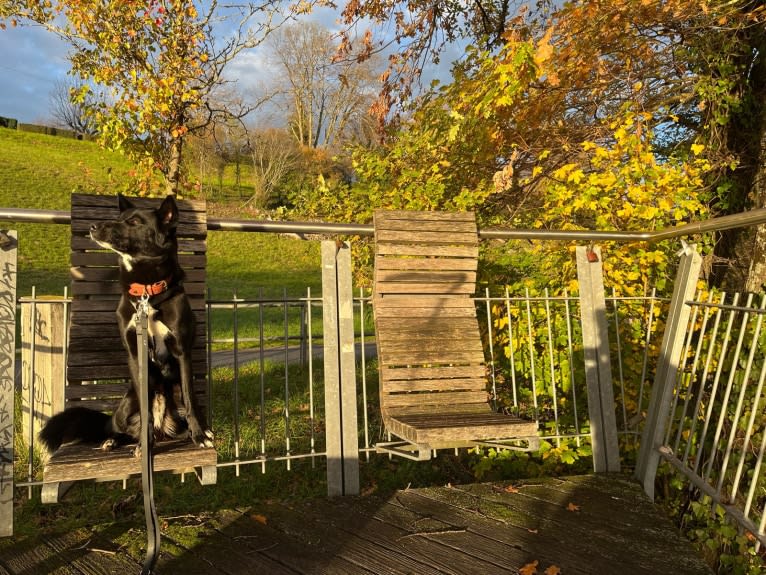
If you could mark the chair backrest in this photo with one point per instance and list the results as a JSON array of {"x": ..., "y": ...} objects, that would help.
[
  {"x": 429, "y": 347},
  {"x": 96, "y": 360}
]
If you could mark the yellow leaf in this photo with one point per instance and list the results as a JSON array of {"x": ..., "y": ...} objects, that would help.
[
  {"x": 697, "y": 149},
  {"x": 529, "y": 568}
]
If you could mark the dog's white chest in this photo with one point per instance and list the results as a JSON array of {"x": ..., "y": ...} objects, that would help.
[{"x": 158, "y": 333}]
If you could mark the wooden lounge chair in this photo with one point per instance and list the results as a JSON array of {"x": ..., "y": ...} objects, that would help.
[
  {"x": 97, "y": 368},
  {"x": 433, "y": 378}
]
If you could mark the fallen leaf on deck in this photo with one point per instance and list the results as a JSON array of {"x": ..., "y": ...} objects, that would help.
[
  {"x": 533, "y": 531},
  {"x": 529, "y": 568},
  {"x": 552, "y": 570},
  {"x": 511, "y": 489},
  {"x": 573, "y": 507},
  {"x": 259, "y": 518}
]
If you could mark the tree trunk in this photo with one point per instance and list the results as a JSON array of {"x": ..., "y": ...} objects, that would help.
[
  {"x": 173, "y": 178},
  {"x": 756, "y": 276},
  {"x": 743, "y": 251}
]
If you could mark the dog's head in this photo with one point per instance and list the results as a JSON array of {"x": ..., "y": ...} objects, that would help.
[{"x": 139, "y": 233}]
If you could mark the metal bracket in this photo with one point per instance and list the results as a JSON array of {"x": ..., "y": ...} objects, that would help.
[{"x": 405, "y": 449}]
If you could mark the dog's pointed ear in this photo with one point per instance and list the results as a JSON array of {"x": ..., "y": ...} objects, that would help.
[
  {"x": 168, "y": 213},
  {"x": 124, "y": 203}
]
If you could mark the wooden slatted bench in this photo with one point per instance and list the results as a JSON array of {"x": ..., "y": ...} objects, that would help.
[
  {"x": 433, "y": 377},
  {"x": 97, "y": 367}
]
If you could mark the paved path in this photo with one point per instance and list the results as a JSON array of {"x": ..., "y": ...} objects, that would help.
[{"x": 226, "y": 358}]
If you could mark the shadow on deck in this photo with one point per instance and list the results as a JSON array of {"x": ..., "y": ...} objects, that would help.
[{"x": 595, "y": 524}]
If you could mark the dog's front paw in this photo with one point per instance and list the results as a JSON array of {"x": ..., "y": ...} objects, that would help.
[
  {"x": 203, "y": 438},
  {"x": 109, "y": 444}
]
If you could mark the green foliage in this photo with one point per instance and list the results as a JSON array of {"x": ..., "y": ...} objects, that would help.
[{"x": 564, "y": 457}]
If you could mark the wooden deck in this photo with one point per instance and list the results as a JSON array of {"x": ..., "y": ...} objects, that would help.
[{"x": 587, "y": 524}]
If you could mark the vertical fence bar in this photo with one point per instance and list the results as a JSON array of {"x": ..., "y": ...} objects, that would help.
[
  {"x": 647, "y": 339},
  {"x": 512, "y": 354},
  {"x": 340, "y": 378},
  {"x": 552, "y": 367},
  {"x": 598, "y": 373},
  {"x": 571, "y": 366},
  {"x": 490, "y": 336},
  {"x": 364, "y": 375},
  {"x": 236, "y": 380},
  {"x": 8, "y": 246},
  {"x": 531, "y": 354},
  {"x": 31, "y": 379},
  {"x": 620, "y": 373},
  {"x": 262, "y": 371},
  {"x": 667, "y": 367},
  {"x": 310, "y": 354},
  {"x": 287, "y": 378}
]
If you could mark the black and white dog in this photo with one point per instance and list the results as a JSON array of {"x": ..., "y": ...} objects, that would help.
[{"x": 145, "y": 240}]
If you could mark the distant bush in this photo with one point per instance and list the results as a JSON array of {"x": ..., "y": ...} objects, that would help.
[{"x": 8, "y": 123}]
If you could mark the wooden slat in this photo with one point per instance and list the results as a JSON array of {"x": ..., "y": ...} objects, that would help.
[
  {"x": 76, "y": 462},
  {"x": 431, "y": 345},
  {"x": 480, "y": 427},
  {"x": 384, "y": 218},
  {"x": 392, "y": 317},
  {"x": 110, "y": 259},
  {"x": 452, "y": 384},
  {"x": 432, "y": 401},
  {"x": 417, "y": 357},
  {"x": 420, "y": 225},
  {"x": 441, "y": 237},
  {"x": 406, "y": 373},
  {"x": 431, "y": 264},
  {"x": 426, "y": 250},
  {"x": 424, "y": 276}
]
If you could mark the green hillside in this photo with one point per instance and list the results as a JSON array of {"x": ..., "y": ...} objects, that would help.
[{"x": 40, "y": 172}]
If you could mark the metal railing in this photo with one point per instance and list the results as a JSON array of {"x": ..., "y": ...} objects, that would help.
[{"x": 703, "y": 417}]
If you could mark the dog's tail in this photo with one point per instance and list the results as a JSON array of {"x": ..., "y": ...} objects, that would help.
[{"x": 76, "y": 424}]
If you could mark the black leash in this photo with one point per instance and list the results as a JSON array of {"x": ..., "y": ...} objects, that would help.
[{"x": 146, "y": 440}]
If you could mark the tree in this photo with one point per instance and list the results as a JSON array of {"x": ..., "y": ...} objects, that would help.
[
  {"x": 274, "y": 154},
  {"x": 69, "y": 114},
  {"x": 694, "y": 72},
  {"x": 159, "y": 62},
  {"x": 326, "y": 101}
]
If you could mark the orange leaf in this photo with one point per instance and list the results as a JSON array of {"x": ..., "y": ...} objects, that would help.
[
  {"x": 511, "y": 489},
  {"x": 573, "y": 507},
  {"x": 259, "y": 518},
  {"x": 529, "y": 568},
  {"x": 552, "y": 570}
]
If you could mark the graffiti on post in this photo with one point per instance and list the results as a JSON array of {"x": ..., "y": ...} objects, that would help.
[{"x": 8, "y": 245}]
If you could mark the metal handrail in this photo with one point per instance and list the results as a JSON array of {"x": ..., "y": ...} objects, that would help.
[{"x": 751, "y": 217}]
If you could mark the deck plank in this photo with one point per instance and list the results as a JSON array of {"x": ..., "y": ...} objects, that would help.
[{"x": 488, "y": 528}]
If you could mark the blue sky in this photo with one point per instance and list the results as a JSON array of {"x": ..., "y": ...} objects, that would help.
[{"x": 32, "y": 60}]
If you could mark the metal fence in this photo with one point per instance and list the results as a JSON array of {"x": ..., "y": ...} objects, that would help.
[
  {"x": 584, "y": 366},
  {"x": 267, "y": 382},
  {"x": 707, "y": 419}
]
